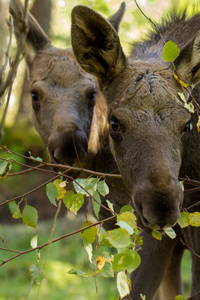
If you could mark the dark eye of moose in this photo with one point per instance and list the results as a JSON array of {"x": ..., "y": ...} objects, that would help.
[
  {"x": 35, "y": 100},
  {"x": 115, "y": 127},
  {"x": 91, "y": 101},
  {"x": 188, "y": 126}
]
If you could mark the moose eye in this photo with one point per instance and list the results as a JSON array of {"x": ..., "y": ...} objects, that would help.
[
  {"x": 35, "y": 100},
  {"x": 91, "y": 101},
  {"x": 115, "y": 128},
  {"x": 188, "y": 126},
  {"x": 115, "y": 125}
]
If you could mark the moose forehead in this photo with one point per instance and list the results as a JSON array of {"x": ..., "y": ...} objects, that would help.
[
  {"x": 59, "y": 68},
  {"x": 147, "y": 88}
]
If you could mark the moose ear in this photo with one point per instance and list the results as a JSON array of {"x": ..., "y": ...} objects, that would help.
[
  {"x": 188, "y": 62},
  {"x": 36, "y": 38},
  {"x": 96, "y": 43},
  {"x": 115, "y": 19}
]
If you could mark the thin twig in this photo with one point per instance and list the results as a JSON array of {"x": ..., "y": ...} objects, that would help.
[
  {"x": 3, "y": 68},
  {"x": 55, "y": 240},
  {"x": 158, "y": 30},
  {"x": 13, "y": 70}
]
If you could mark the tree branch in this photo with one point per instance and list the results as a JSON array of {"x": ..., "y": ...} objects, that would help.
[{"x": 53, "y": 241}]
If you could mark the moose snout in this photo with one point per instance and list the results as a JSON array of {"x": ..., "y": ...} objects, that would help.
[
  {"x": 68, "y": 147},
  {"x": 158, "y": 204}
]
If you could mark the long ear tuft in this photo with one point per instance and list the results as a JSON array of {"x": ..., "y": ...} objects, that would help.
[
  {"x": 36, "y": 38},
  {"x": 188, "y": 62},
  {"x": 96, "y": 43},
  {"x": 116, "y": 19}
]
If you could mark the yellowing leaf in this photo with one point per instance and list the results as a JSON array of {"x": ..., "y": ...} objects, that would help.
[
  {"x": 194, "y": 219},
  {"x": 128, "y": 217},
  {"x": 189, "y": 107},
  {"x": 157, "y": 235},
  {"x": 60, "y": 188},
  {"x": 182, "y": 97},
  {"x": 100, "y": 260},
  {"x": 180, "y": 81},
  {"x": 5, "y": 167},
  {"x": 89, "y": 234},
  {"x": 198, "y": 124}
]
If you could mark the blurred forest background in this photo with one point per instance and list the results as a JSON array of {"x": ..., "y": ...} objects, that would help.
[{"x": 19, "y": 135}]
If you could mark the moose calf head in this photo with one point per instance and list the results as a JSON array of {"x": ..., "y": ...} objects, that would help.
[
  {"x": 147, "y": 119},
  {"x": 63, "y": 94}
]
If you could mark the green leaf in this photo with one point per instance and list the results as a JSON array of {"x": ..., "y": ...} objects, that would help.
[
  {"x": 170, "y": 232},
  {"x": 170, "y": 51},
  {"x": 36, "y": 158},
  {"x": 30, "y": 216},
  {"x": 119, "y": 238},
  {"x": 127, "y": 259},
  {"x": 15, "y": 210},
  {"x": 183, "y": 220},
  {"x": 37, "y": 273},
  {"x": 89, "y": 185},
  {"x": 52, "y": 193},
  {"x": 5, "y": 167},
  {"x": 89, "y": 234},
  {"x": 107, "y": 271},
  {"x": 123, "y": 284},
  {"x": 34, "y": 241},
  {"x": 110, "y": 205},
  {"x": 127, "y": 207},
  {"x": 180, "y": 297},
  {"x": 72, "y": 201},
  {"x": 128, "y": 217},
  {"x": 104, "y": 239},
  {"x": 78, "y": 273},
  {"x": 96, "y": 206},
  {"x": 126, "y": 226},
  {"x": 157, "y": 235},
  {"x": 103, "y": 188}
]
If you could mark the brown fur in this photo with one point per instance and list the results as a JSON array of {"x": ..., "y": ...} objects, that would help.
[
  {"x": 64, "y": 111},
  {"x": 149, "y": 137}
]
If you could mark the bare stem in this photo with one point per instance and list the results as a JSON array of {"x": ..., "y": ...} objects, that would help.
[{"x": 53, "y": 241}]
